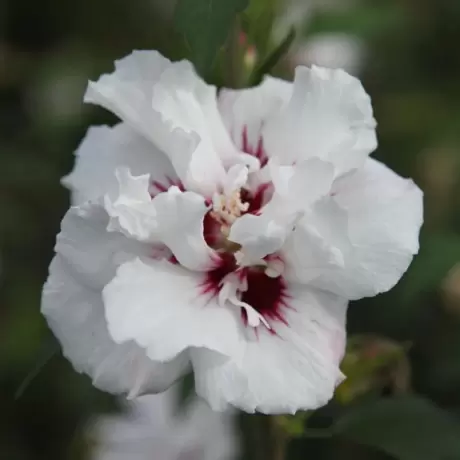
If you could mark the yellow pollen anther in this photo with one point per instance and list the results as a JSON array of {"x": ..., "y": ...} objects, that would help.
[{"x": 226, "y": 209}]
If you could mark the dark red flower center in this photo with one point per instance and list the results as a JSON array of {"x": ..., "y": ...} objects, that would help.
[
  {"x": 215, "y": 232},
  {"x": 267, "y": 295}
]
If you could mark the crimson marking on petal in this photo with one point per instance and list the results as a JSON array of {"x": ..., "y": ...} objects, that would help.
[
  {"x": 266, "y": 295},
  {"x": 241, "y": 273},
  {"x": 160, "y": 186},
  {"x": 257, "y": 199},
  {"x": 211, "y": 231},
  {"x": 176, "y": 182},
  {"x": 163, "y": 187},
  {"x": 260, "y": 198},
  {"x": 212, "y": 282},
  {"x": 258, "y": 152},
  {"x": 173, "y": 260}
]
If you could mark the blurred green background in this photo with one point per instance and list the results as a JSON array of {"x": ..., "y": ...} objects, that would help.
[{"x": 402, "y": 398}]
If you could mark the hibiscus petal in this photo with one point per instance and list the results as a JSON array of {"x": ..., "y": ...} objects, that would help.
[
  {"x": 300, "y": 185},
  {"x": 173, "y": 218},
  {"x": 94, "y": 253},
  {"x": 163, "y": 308},
  {"x": 75, "y": 313},
  {"x": 318, "y": 243},
  {"x": 295, "y": 189},
  {"x": 245, "y": 111},
  {"x": 295, "y": 369},
  {"x": 131, "y": 210},
  {"x": 385, "y": 213},
  {"x": 170, "y": 105},
  {"x": 259, "y": 236},
  {"x": 180, "y": 227},
  {"x": 103, "y": 150},
  {"x": 329, "y": 116},
  {"x": 86, "y": 260}
]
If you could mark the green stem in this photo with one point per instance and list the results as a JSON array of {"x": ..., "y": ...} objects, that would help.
[
  {"x": 278, "y": 439},
  {"x": 264, "y": 437}
]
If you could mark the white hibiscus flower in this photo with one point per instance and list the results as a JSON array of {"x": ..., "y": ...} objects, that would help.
[
  {"x": 152, "y": 427},
  {"x": 227, "y": 233}
]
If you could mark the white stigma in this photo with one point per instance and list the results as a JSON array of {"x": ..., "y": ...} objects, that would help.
[{"x": 231, "y": 287}]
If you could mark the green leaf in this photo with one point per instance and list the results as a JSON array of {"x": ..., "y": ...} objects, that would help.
[
  {"x": 272, "y": 59},
  {"x": 407, "y": 427},
  {"x": 205, "y": 25}
]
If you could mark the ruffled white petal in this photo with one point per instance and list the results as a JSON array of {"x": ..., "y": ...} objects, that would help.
[
  {"x": 300, "y": 185},
  {"x": 259, "y": 236},
  {"x": 180, "y": 227},
  {"x": 295, "y": 189},
  {"x": 170, "y": 105},
  {"x": 172, "y": 218},
  {"x": 94, "y": 253},
  {"x": 131, "y": 210},
  {"x": 384, "y": 213},
  {"x": 186, "y": 100},
  {"x": 75, "y": 313},
  {"x": 237, "y": 176},
  {"x": 86, "y": 260},
  {"x": 328, "y": 116},
  {"x": 104, "y": 149},
  {"x": 246, "y": 111},
  {"x": 162, "y": 307},
  {"x": 319, "y": 241},
  {"x": 296, "y": 368}
]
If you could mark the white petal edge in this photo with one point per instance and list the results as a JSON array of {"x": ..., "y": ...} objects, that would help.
[
  {"x": 131, "y": 210},
  {"x": 75, "y": 313},
  {"x": 92, "y": 251},
  {"x": 162, "y": 307},
  {"x": 329, "y": 116},
  {"x": 104, "y": 149},
  {"x": 172, "y": 218},
  {"x": 180, "y": 218},
  {"x": 296, "y": 188},
  {"x": 385, "y": 213},
  {"x": 319, "y": 242},
  {"x": 247, "y": 110},
  {"x": 296, "y": 369},
  {"x": 170, "y": 105}
]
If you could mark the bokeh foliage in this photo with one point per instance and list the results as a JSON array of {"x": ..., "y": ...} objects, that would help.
[{"x": 402, "y": 398}]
